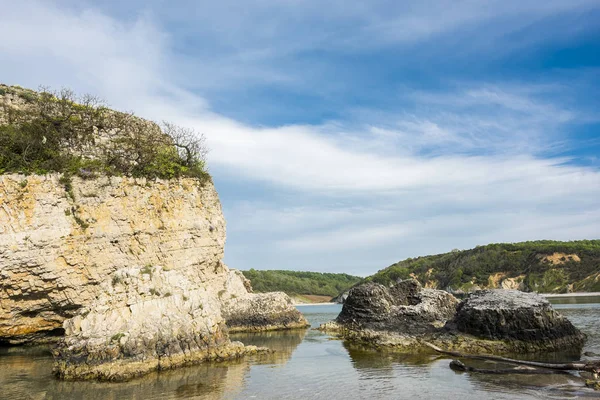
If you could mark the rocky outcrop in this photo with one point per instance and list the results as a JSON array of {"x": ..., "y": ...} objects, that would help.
[
  {"x": 406, "y": 316},
  {"x": 397, "y": 316},
  {"x": 405, "y": 308},
  {"x": 513, "y": 315},
  {"x": 340, "y": 299},
  {"x": 129, "y": 270},
  {"x": 135, "y": 325},
  {"x": 245, "y": 311}
]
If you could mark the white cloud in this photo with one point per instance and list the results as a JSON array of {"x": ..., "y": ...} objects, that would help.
[{"x": 359, "y": 191}]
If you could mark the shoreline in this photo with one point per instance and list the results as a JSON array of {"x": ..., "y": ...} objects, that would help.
[
  {"x": 314, "y": 304},
  {"x": 576, "y": 294}
]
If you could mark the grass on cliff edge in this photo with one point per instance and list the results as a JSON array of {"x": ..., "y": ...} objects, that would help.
[
  {"x": 544, "y": 266},
  {"x": 300, "y": 283},
  {"x": 46, "y": 131}
]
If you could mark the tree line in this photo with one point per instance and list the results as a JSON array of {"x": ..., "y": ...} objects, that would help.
[{"x": 300, "y": 282}]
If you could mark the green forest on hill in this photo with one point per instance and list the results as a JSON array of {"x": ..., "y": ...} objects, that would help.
[
  {"x": 543, "y": 266},
  {"x": 298, "y": 282}
]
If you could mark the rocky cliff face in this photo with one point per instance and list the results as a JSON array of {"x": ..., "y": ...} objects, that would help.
[
  {"x": 129, "y": 269},
  {"x": 59, "y": 246}
]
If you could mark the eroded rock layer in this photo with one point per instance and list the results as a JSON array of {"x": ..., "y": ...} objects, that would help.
[
  {"x": 245, "y": 311},
  {"x": 59, "y": 245},
  {"x": 129, "y": 269}
]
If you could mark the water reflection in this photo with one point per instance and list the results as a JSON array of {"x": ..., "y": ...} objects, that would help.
[
  {"x": 367, "y": 358},
  {"x": 282, "y": 342},
  {"x": 306, "y": 364},
  {"x": 574, "y": 300},
  {"x": 26, "y": 373}
]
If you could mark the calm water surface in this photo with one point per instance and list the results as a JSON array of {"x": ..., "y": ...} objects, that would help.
[{"x": 309, "y": 365}]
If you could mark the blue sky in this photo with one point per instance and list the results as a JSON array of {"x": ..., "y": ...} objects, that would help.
[{"x": 347, "y": 136}]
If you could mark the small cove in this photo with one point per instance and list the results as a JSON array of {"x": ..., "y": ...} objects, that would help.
[{"x": 309, "y": 364}]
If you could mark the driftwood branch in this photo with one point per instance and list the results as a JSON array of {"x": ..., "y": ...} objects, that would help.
[
  {"x": 459, "y": 366},
  {"x": 590, "y": 366}
]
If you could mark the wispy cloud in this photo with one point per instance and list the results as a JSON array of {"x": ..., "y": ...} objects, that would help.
[{"x": 464, "y": 164}]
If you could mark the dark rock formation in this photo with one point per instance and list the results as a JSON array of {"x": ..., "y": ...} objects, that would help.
[
  {"x": 405, "y": 316},
  {"x": 404, "y": 308},
  {"x": 512, "y": 315}
]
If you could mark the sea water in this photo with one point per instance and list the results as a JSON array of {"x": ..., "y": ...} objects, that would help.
[{"x": 309, "y": 364}]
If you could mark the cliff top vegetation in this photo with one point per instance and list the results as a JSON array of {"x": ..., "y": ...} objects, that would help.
[{"x": 59, "y": 131}]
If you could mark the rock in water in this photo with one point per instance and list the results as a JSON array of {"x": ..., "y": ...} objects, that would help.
[
  {"x": 151, "y": 319},
  {"x": 129, "y": 269},
  {"x": 513, "y": 315},
  {"x": 491, "y": 321},
  {"x": 57, "y": 248},
  {"x": 404, "y": 308},
  {"x": 136, "y": 326},
  {"x": 245, "y": 311}
]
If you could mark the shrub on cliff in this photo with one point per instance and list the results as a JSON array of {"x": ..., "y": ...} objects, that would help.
[{"x": 61, "y": 132}]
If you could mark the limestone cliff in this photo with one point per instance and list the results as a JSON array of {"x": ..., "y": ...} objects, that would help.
[
  {"x": 57, "y": 250},
  {"x": 126, "y": 272},
  {"x": 131, "y": 270}
]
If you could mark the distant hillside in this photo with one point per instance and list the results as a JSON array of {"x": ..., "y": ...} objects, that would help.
[
  {"x": 542, "y": 266},
  {"x": 300, "y": 283}
]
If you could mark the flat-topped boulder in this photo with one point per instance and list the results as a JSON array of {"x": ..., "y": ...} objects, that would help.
[
  {"x": 511, "y": 315},
  {"x": 245, "y": 311}
]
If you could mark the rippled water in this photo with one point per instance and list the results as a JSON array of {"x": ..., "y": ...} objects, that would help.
[{"x": 307, "y": 365}]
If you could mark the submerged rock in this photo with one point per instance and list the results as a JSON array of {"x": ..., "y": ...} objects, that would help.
[{"x": 405, "y": 316}]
